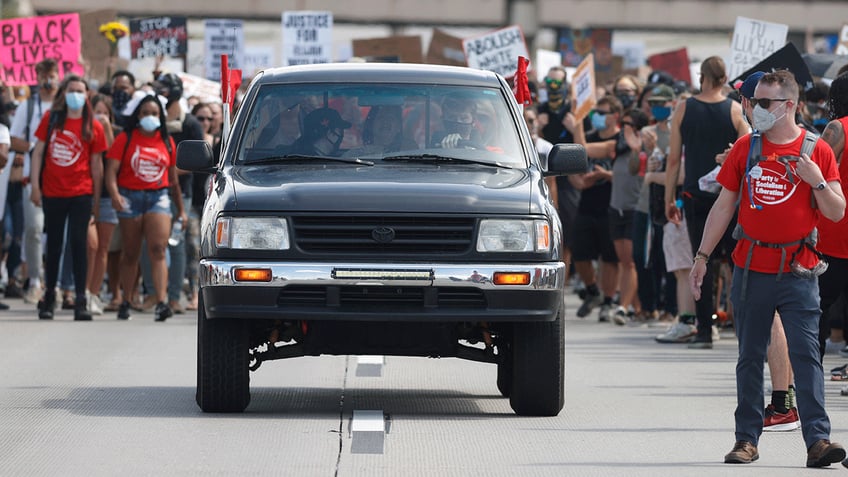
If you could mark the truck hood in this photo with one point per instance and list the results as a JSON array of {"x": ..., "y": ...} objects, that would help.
[{"x": 463, "y": 189}]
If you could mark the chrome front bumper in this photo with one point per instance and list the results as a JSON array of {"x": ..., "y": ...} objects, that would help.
[{"x": 226, "y": 297}]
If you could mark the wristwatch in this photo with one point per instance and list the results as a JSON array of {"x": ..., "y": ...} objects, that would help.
[{"x": 821, "y": 185}]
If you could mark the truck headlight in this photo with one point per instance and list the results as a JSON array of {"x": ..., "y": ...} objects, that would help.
[
  {"x": 252, "y": 233},
  {"x": 513, "y": 236}
]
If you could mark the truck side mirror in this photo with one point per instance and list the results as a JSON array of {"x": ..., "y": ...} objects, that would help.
[
  {"x": 196, "y": 156},
  {"x": 565, "y": 159}
]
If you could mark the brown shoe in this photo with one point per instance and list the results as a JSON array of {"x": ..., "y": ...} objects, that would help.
[
  {"x": 743, "y": 453},
  {"x": 823, "y": 453}
]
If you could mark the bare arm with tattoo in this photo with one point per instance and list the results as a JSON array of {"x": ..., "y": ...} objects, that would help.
[{"x": 834, "y": 134}]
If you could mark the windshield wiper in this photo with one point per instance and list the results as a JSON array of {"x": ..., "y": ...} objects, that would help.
[
  {"x": 290, "y": 157},
  {"x": 440, "y": 158}
]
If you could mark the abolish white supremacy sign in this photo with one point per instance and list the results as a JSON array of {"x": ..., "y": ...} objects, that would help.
[
  {"x": 307, "y": 37},
  {"x": 497, "y": 51}
]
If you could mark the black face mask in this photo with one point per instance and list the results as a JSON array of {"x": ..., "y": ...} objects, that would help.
[
  {"x": 626, "y": 100},
  {"x": 48, "y": 85},
  {"x": 120, "y": 98}
]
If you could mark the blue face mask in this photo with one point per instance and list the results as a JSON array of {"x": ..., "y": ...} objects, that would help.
[
  {"x": 599, "y": 121},
  {"x": 150, "y": 123},
  {"x": 74, "y": 100},
  {"x": 660, "y": 113}
]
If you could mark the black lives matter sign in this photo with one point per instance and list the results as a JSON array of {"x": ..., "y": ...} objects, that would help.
[
  {"x": 27, "y": 41},
  {"x": 161, "y": 36}
]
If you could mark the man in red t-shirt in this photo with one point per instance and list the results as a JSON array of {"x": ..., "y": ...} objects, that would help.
[
  {"x": 833, "y": 237},
  {"x": 776, "y": 214}
]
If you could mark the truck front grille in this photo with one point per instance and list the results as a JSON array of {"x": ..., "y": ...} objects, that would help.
[
  {"x": 383, "y": 235},
  {"x": 368, "y": 297}
]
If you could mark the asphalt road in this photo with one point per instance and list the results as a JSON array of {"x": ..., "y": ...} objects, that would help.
[{"x": 117, "y": 398}]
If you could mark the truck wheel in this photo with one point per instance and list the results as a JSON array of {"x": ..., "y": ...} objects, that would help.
[
  {"x": 505, "y": 372},
  {"x": 223, "y": 376},
  {"x": 538, "y": 374}
]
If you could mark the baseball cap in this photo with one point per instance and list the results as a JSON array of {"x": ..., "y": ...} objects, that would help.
[
  {"x": 748, "y": 86},
  {"x": 317, "y": 122},
  {"x": 662, "y": 92}
]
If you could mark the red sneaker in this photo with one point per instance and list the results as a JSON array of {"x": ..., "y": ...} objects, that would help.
[{"x": 778, "y": 421}]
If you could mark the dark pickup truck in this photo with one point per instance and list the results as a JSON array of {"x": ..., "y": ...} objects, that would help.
[{"x": 379, "y": 209}]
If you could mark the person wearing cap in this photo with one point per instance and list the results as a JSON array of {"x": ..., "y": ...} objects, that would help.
[{"x": 323, "y": 132}]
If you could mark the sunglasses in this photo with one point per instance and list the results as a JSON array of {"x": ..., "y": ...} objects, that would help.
[
  {"x": 765, "y": 102},
  {"x": 203, "y": 118},
  {"x": 553, "y": 82}
]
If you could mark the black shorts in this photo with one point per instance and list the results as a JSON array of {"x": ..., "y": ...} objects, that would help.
[
  {"x": 592, "y": 239},
  {"x": 620, "y": 224},
  {"x": 566, "y": 216}
]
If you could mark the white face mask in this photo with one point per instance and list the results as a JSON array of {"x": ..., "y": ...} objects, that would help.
[{"x": 764, "y": 119}]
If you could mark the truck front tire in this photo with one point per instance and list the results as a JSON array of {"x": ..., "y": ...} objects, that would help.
[
  {"x": 538, "y": 372},
  {"x": 223, "y": 374}
]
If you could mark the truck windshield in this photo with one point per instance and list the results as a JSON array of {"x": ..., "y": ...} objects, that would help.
[{"x": 375, "y": 121}]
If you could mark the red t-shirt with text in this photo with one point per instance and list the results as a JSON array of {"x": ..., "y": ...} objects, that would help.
[
  {"x": 833, "y": 237},
  {"x": 145, "y": 164},
  {"x": 786, "y": 214},
  {"x": 66, "y": 168}
]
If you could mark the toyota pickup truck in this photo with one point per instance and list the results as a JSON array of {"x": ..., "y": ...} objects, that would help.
[{"x": 380, "y": 209}]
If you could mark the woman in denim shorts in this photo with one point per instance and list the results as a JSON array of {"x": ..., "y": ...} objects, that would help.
[{"x": 141, "y": 178}]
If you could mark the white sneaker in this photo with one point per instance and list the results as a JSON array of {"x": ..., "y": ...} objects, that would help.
[
  {"x": 33, "y": 294},
  {"x": 605, "y": 313},
  {"x": 678, "y": 333},
  {"x": 716, "y": 334},
  {"x": 620, "y": 316},
  {"x": 93, "y": 304}
]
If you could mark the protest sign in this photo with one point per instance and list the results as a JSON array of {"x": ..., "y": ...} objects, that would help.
[
  {"x": 27, "y": 41},
  {"x": 752, "y": 41},
  {"x": 445, "y": 49},
  {"x": 842, "y": 46},
  {"x": 496, "y": 51},
  {"x": 632, "y": 53},
  {"x": 96, "y": 49},
  {"x": 675, "y": 63},
  {"x": 545, "y": 59},
  {"x": 160, "y": 36},
  {"x": 223, "y": 37},
  {"x": 257, "y": 58},
  {"x": 392, "y": 49},
  {"x": 307, "y": 37},
  {"x": 583, "y": 87},
  {"x": 207, "y": 90},
  {"x": 576, "y": 43}
]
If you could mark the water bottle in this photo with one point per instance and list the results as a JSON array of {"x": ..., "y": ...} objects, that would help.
[{"x": 176, "y": 233}]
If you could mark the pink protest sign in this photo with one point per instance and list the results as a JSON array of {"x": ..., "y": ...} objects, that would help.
[{"x": 26, "y": 41}]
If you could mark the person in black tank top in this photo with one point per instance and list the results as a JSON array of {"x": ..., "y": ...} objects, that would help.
[{"x": 701, "y": 128}]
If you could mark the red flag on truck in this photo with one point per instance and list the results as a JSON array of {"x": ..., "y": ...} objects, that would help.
[{"x": 521, "y": 88}]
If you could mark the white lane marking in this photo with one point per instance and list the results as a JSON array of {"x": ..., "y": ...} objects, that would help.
[{"x": 368, "y": 430}]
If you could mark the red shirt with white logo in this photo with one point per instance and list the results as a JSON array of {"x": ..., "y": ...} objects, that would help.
[
  {"x": 785, "y": 213},
  {"x": 833, "y": 237},
  {"x": 144, "y": 165},
  {"x": 66, "y": 168}
]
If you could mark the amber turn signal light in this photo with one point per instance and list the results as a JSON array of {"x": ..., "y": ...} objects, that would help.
[
  {"x": 507, "y": 278},
  {"x": 253, "y": 275}
]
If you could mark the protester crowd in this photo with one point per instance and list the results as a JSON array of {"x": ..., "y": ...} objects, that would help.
[{"x": 92, "y": 194}]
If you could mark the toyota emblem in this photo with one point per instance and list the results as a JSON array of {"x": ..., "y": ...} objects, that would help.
[{"x": 383, "y": 234}]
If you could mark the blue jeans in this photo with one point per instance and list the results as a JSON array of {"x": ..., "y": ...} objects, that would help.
[{"x": 797, "y": 301}]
